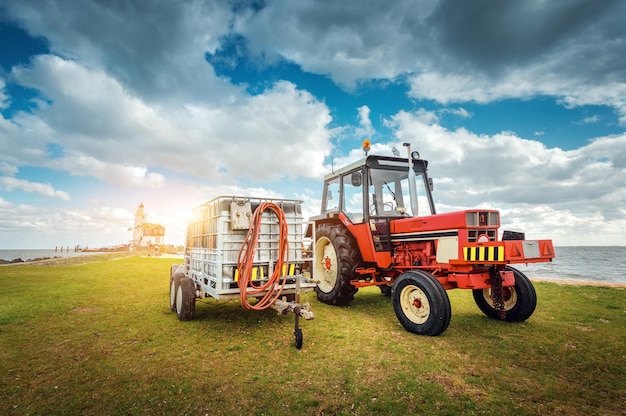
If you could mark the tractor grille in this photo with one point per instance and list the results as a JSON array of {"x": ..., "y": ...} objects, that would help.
[{"x": 472, "y": 235}]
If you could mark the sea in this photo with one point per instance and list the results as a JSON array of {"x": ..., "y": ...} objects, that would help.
[{"x": 585, "y": 264}]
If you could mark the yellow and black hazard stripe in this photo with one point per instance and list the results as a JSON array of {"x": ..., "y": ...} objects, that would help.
[
  {"x": 292, "y": 269},
  {"x": 259, "y": 273},
  {"x": 483, "y": 253}
]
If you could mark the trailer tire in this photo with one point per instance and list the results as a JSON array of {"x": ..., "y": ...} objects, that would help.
[
  {"x": 174, "y": 288},
  {"x": 337, "y": 256},
  {"x": 186, "y": 299},
  {"x": 520, "y": 300},
  {"x": 421, "y": 303}
]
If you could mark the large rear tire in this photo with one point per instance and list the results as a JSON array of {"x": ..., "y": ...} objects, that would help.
[
  {"x": 337, "y": 256},
  {"x": 421, "y": 303},
  {"x": 186, "y": 299},
  {"x": 520, "y": 300}
]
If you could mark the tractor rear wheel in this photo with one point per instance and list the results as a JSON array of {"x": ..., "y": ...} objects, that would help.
[
  {"x": 186, "y": 299},
  {"x": 520, "y": 300},
  {"x": 421, "y": 303},
  {"x": 337, "y": 256}
]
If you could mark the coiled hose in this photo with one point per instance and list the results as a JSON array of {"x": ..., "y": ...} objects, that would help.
[{"x": 246, "y": 259}]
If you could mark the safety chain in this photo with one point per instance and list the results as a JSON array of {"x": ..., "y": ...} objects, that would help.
[{"x": 496, "y": 291}]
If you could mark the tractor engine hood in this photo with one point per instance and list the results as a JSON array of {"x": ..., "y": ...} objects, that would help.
[{"x": 471, "y": 218}]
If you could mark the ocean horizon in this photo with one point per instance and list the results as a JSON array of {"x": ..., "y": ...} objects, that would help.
[
  {"x": 605, "y": 264},
  {"x": 41, "y": 253}
]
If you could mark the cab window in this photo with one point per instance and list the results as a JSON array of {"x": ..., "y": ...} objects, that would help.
[
  {"x": 353, "y": 196},
  {"x": 332, "y": 196}
]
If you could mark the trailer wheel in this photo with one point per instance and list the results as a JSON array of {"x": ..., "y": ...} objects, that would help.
[
  {"x": 520, "y": 300},
  {"x": 173, "y": 288},
  {"x": 337, "y": 256},
  {"x": 421, "y": 303},
  {"x": 186, "y": 299}
]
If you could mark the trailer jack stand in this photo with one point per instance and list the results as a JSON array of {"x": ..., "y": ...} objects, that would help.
[
  {"x": 297, "y": 333},
  {"x": 304, "y": 311}
]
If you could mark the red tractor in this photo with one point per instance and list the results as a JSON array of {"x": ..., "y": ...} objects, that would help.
[{"x": 378, "y": 227}]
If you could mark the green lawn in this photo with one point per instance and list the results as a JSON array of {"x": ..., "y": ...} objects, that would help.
[{"x": 99, "y": 338}]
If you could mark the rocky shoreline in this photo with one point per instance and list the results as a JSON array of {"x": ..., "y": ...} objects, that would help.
[
  {"x": 20, "y": 260},
  {"x": 57, "y": 260}
]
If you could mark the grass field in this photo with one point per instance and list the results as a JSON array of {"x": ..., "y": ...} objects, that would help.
[{"x": 99, "y": 338}]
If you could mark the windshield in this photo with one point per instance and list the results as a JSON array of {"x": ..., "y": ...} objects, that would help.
[{"x": 389, "y": 194}]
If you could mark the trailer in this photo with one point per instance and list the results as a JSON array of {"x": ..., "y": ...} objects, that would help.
[{"x": 248, "y": 249}]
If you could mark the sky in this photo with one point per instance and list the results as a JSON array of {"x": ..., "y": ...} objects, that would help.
[{"x": 106, "y": 104}]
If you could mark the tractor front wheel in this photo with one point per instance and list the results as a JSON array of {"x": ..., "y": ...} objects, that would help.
[
  {"x": 421, "y": 303},
  {"x": 336, "y": 256},
  {"x": 519, "y": 300}
]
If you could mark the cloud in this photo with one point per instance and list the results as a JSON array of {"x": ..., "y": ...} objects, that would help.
[
  {"x": 538, "y": 80},
  {"x": 591, "y": 119},
  {"x": 46, "y": 227},
  {"x": 4, "y": 99},
  {"x": 348, "y": 41},
  {"x": 99, "y": 128},
  {"x": 7, "y": 169},
  {"x": 101, "y": 225},
  {"x": 460, "y": 112},
  {"x": 11, "y": 184},
  {"x": 365, "y": 129},
  {"x": 153, "y": 48},
  {"x": 491, "y": 36},
  {"x": 478, "y": 51},
  {"x": 509, "y": 171}
]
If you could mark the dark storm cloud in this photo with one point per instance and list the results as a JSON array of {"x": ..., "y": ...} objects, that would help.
[
  {"x": 154, "y": 48},
  {"x": 492, "y": 34},
  {"x": 455, "y": 51}
]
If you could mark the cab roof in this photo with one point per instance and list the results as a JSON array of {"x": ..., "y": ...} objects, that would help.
[{"x": 379, "y": 162}]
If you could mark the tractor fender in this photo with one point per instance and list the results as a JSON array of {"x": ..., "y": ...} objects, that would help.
[{"x": 330, "y": 218}]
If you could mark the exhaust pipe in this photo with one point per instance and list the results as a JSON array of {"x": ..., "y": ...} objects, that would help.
[{"x": 412, "y": 186}]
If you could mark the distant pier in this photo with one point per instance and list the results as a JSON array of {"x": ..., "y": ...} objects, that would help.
[{"x": 59, "y": 249}]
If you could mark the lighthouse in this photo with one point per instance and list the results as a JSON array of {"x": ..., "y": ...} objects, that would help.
[
  {"x": 140, "y": 220},
  {"x": 145, "y": 234}
]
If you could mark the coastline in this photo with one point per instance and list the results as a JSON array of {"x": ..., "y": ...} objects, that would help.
[
  {"x": 572, "y": 282},
  {"x": 85, "y": 258},
  {"x": 116, "y": 255}
]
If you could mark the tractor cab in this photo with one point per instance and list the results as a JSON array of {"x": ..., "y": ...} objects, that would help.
[
  {"x": 378, "y": 188},
  {"x": 367, "y": 196}
]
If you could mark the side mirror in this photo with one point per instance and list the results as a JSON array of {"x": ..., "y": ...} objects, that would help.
[
  {"x": 356, "y": 178},
  {"x": 329, "y": 195}
]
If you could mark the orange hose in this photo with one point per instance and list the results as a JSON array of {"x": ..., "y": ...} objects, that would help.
[{"x": 246, "y": 259}]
